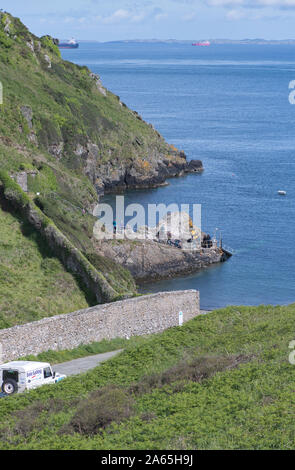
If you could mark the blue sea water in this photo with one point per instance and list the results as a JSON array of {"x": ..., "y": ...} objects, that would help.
[{"x": 228, "y": 106}]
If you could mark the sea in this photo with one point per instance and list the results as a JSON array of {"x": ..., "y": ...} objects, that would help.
[{"x": 229, "y": 106}]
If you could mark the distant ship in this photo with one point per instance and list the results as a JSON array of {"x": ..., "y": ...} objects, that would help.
[
  {"x": 202, "y": 43},
  {"x": 71, "y": 44}
]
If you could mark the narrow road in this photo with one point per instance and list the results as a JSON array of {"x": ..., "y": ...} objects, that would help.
[{"x": 78, "y": 366}]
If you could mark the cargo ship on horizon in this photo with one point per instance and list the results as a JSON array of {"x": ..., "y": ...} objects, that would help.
[
  {"x": 201, "y": 43},
  {"x": 71, "y": 44}
]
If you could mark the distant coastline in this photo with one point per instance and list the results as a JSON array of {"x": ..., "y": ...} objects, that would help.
[{"x": 190, "y": 41}]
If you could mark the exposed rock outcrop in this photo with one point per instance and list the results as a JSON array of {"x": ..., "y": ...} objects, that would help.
[
  {"x": 194, "y": 166},
  {"x": 152, "y": 172},
  {"x": 98, "y": 83},
  {"x": 48, "y": 61},
  {"x": 148, "y": 260},
  {"x": 28, "y": 115}
]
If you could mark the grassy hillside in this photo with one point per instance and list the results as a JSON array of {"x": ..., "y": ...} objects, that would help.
[
  {"x": 34, "y": 284},
  {"x": 74, "y": 139},
  {"x": 222, "y": 381},
  {"x": 59, "y": 112},
  {"x": 61, "y": 127}
]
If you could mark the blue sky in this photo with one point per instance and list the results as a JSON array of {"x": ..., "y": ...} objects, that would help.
[{"x": 107, "y": 20}]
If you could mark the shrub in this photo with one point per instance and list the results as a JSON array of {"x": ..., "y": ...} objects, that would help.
[
  {"x": 5, "y": 41},
  {"x": 197, "y": 370},
  {"x": 49, "y": 43},
  {"x": 48, "y": 132},
  {"x": 103, "y": 407},
  {"x": 28, "y": 420}
]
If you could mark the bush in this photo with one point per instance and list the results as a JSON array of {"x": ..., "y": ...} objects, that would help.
[
  {"x": 49, "y": 43},
  {"x": 103, "y": 407},
  {"x": 5, "y": 41},
  {"x": 28, "y": 420},
  {"x": 197, "y": 370}
]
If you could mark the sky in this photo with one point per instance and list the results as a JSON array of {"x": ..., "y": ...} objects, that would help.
[{"x": 109, "y": 20}]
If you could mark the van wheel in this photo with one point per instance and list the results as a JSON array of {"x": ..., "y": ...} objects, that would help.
[{"x": 9, "y": 387}]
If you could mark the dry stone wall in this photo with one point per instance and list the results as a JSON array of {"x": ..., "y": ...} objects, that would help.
[{"x": 132, "y": 317}]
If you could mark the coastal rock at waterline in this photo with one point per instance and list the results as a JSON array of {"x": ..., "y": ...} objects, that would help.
[
  {"x": 149, "y": 260},
  {"x": 117, "y": 175},
  {"x": 150, "y": 173},
  {"x": 194, "y": 166}
]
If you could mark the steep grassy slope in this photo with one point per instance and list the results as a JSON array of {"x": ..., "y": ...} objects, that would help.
[
  {"x": 74, "y": 139},
  {"x": 103, "y": 288},
  {"x": 61, "y": 109},
  {"x": 61, "y": 127},
  {"x": 222, "y": 381},
  {"x": 34, "y": 284}
]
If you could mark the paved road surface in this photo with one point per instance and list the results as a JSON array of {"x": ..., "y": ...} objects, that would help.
[{"x": 77, "y": 366}]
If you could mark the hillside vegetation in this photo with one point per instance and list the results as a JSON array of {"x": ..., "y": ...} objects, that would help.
[
  {"x": 74, "y": 139},
  {"x": 57, "y": 112},
  {"x": 34, "y": 283},
  {"x": 222, "y": 381}
]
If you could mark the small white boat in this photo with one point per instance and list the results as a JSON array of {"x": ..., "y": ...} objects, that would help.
[{"x": 282, "y": 193}]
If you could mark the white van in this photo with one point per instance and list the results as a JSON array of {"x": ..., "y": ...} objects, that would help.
[{"x": 18, "y": 376}]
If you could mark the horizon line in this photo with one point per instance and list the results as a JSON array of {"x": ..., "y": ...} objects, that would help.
[{"x": 187, "y": 40}]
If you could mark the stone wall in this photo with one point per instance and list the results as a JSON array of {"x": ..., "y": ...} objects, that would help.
[{"x": 132, "y": 317}]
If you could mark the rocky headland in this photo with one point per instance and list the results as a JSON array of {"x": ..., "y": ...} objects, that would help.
[{"x": 137, "y": 174}]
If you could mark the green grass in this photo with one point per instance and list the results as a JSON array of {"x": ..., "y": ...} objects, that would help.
[
  {"x": 184, "y": 394},
  {"x": 66, "y": 107},
  {"x": 78, "y": 228},
  {"x": 33, "y": 282}
]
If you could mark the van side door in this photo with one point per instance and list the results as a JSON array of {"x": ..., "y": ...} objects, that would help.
[{"x": 34, "y": 378}]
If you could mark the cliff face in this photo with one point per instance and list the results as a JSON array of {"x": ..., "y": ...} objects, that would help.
[{"x": 62, "y": 111}]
